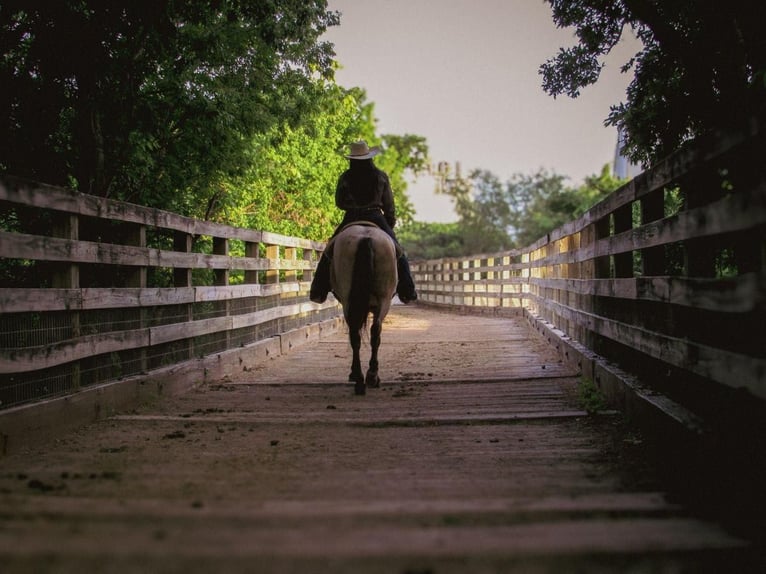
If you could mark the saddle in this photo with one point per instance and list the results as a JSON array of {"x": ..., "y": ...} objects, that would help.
[{"x": 328, "y": 250}]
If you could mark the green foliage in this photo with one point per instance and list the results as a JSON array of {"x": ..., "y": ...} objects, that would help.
[
  {"x": 289, "y": 186},
  {"x": 539, "y": 203},
  {"x": 542, "y": 202},
  {"x": 701, "y": 67},
  {"x": 152, "y": 101},
  {"x": 223, "y": 111},
  {"x": 405, "y": 154},
  {"x": 495, "y": 216},
  {"x": 590, "y": 397},
  {"x": 432, "y": 240},
  {"x": 484, "y": 212}
]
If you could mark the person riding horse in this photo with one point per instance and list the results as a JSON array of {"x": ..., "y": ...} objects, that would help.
[{"x": 364, "y": 193}]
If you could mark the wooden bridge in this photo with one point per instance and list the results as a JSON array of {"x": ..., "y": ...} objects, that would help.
[
  {"x": 474, "y": 456},
  {"x": 170, "y": 399}
]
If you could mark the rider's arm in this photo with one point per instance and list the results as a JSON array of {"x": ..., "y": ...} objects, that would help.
[
  {"x": 387, "y": 198},
  {"x": 343, "y": 198}
]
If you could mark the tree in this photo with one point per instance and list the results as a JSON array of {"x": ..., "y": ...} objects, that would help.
[
  {"x": 289, "y": 185},
  {"x": 481, "y": 206},
  {"x": 152, "y": 101},
  {"x": 538, "y": 203},
  {"x": 702, "y": 67},
  {"x": 403, "y": 155},
  {"x": 432, "y": 240},
  {"x": 542, "y": 202},
  {"x": 495, "y": 216}
]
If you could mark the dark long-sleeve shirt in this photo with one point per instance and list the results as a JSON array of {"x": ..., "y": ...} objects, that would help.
[{"x": 380, "y": 196}]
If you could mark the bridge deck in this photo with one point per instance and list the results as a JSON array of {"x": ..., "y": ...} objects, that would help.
[{"x": 472, "y": 457}]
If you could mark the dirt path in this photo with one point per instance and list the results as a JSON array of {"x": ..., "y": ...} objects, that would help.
[{"x": 472, "y": 457}]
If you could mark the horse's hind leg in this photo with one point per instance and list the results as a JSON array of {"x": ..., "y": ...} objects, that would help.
[
  {"x": 356, "y": 376},
  {"x": 373, "y": 379}
]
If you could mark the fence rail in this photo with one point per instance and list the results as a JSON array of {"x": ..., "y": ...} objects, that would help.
[
  {"x": 666, "y": 277},
  {"x": 95, "y": 290}
]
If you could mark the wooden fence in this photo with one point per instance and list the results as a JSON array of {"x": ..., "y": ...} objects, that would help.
[
  {"x": 96, "y": 290},
  {"x": 666, "y": 277}
]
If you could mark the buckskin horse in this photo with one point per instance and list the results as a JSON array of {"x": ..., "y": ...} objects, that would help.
[{"x": 363, "y": 277}]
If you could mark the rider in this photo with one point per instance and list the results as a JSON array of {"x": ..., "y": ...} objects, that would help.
[{"x": 364, "y": 193}]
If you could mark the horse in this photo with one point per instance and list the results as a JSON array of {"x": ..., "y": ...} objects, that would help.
[{"x": 363, "y": 278}]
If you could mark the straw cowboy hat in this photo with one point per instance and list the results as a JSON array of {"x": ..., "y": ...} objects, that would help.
[{"x": 359, "y": 150}]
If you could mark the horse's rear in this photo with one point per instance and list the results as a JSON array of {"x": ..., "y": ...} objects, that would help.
[{"x": 364, "y": 280}]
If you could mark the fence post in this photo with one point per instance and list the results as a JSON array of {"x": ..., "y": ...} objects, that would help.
[
  {"x": 67, "y": 226},
  {"x": 221, "y": 277},
  {"x": 138, "y": 278},
  {"x": 251, "y": 250},
  {"x": 272, "y": 253},
  {"x": 220, "y": 247},
  {"x": 291, "y": 254},
  {"x": 182, "y": 277},
  {"x": 308, "y": 255},
  {"x": 623, "y": 221},
  {"x": 699, "y": 189},
  {"x": 653, "y": 209}
]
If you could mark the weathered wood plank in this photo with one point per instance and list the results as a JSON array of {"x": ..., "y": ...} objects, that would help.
[
  {"x": 29, "y": 359},
  {"x": 740, "y": 294},
  {"x": 42, "y": 300},
  {"x": 730, "y": 214},
  {"x": 24, "y": 246},
  {"x": 736, "y": 370},
  {"x": 16, "y": 190}
]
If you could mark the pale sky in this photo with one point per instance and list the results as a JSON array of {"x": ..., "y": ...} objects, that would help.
[{"x": 464, "y": 75}]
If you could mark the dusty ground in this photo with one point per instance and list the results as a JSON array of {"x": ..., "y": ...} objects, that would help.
[{"x": 472, "y": 457}]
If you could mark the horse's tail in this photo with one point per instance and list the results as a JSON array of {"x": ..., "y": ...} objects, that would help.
[{"x": 361, "y": 286}]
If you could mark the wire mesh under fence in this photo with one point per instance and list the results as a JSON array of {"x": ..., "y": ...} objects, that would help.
[
  {"x": 20, "y": 388},
  {"x": 267, "y": 329},
  {"x": 268, "y": 302},
  {"x": 210, "y": 309},
  {"x": 168, "y": 354},
  {"x": 20, "y": 330},
  {"x": 243, "y": 306},
  {"x": 211, "y": 343},
  {"x": 167, "y": 314},
  {"x": 291, "y": 298},
  {"x": 112, "y": 366},
  {"x": 297, "y": 321},
  {"x": 329, "y": 313},
  {"x": 109, "y": 320},
  {"x": 243, "y": 337}
]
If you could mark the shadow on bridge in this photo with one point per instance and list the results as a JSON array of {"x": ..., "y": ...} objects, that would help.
[{"x": 475, "y": 455}]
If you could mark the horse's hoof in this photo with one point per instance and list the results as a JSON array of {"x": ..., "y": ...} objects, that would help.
[
  {"x": 360, "y": 388},
  {"x": 372, "y": 380}
]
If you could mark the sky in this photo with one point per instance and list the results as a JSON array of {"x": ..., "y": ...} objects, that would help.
[{"x": 464, "y": 75}]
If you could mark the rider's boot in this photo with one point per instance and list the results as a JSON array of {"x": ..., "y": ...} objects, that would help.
[
  {"x": 320, "y": 285},
  {"x": 406, "y": 286}
]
